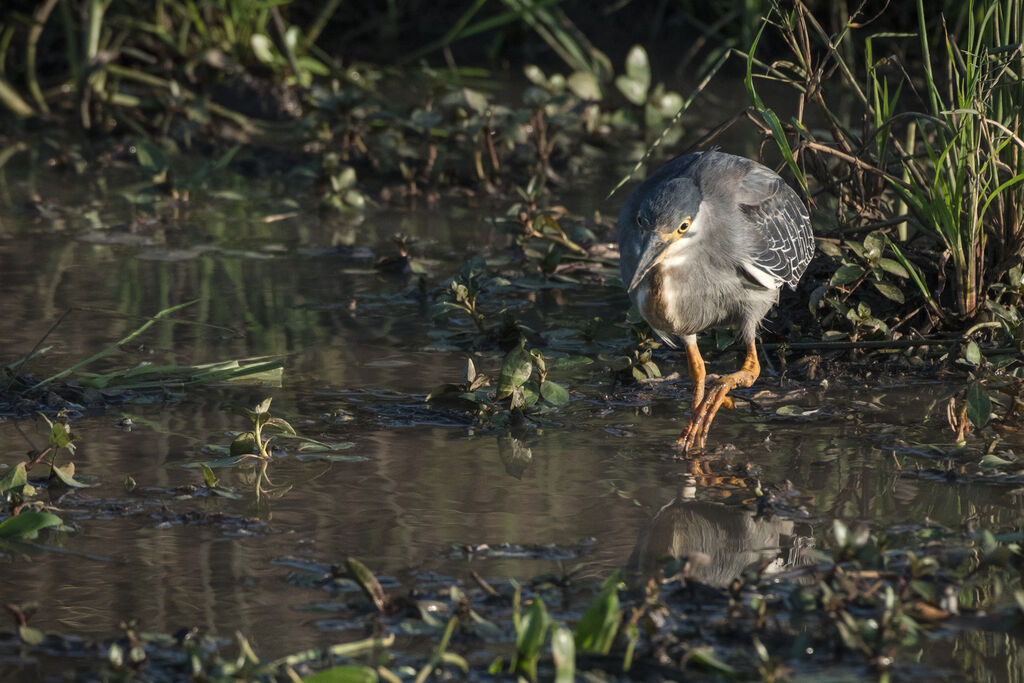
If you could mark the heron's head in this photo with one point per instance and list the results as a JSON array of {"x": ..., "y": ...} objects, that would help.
[{"x": 668, "y": 224}]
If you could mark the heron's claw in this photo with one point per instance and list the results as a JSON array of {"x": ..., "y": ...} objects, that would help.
[{"x": 695, "y": 436}]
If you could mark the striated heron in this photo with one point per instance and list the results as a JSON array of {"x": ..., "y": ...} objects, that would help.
[{"x": 708, "y": 240}]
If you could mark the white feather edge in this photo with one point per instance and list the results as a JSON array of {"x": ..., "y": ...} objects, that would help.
[{"x": 763, "y": 277}]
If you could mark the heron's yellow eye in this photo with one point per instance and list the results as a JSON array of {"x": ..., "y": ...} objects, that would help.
[
  {"x": 684, "y": 226},
  {"x": 639, "y": 222}
]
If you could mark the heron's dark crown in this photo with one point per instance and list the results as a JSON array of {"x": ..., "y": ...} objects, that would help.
[{"x": 669, "y": 203}]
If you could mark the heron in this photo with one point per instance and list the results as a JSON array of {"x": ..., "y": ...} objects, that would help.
[{"x": 708, "y": 240}]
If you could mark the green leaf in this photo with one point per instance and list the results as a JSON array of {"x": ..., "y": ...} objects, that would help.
[
  {"x": 596, "y": 630},
  {"x": 973, "y": 354},
  {"x": 358, "y": 572},
  {"x": 30, "y": 636},
  {"x": 846, "y": 274},
  {"x": 262, "y": 47},
  {"x": 924, "y": 588},
  {"x": 151, "y": 159},
  {"x": 563, "y": 648},
  {"x": 585, "y": 86},
  {"x": 991, "y": 461},
  {"x": 534, "y": 74},
  {"x": 533, "y": 626},
  {"x": 208, "y": 476},
  {"x": 280, "y": 425},
  {"x": 841, "y": 533},
  {"x": 60, "y": 435},
  {"x": 485, "y": 629},
  {"x": 893, "y": 267},
  {"x": 292, "y": 37},
  {"x": 638, "y": 66},
  {"x": 516, "y": 369},
  {"x": 874, "y": 245},
  {"x": 244, "y": 444},
  {"x": 530, "y": 394},
  {"x": 27, "y": 524},
  {"x": 554, "y": 393},
  {"x": 782, "y": 142},
  {"x": 476, "y": 100},
  {"x": 631, "y": 89},
  {"x": 348, "y": 673},
  {"x": 789, "y": 410},
  {"x": 889, "y": 291},
  {"x": 830, "y": 248},
  {"x": 16, "y": 481},
  {"x": 705, "y": 656},
  {"x": 979, "y": 406},
  {"x": 66, "y": 475},
  {"x": 668, "y": 104}
]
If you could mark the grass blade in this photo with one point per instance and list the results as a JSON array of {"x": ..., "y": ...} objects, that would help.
[{"x": 113, "y": 347}]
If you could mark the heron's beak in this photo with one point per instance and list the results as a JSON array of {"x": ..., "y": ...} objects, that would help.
[{"x": 654, "y": 250}]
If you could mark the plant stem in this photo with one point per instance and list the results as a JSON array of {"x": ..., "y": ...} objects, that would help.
[{"x": 38, "y": 21}]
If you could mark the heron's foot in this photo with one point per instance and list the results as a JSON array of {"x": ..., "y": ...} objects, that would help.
[{"x": 702, "y": 415}]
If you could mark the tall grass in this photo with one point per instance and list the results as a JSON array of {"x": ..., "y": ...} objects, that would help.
[
  {"x": 137, "y": 62},
  {"x": 950, "y": 153}
]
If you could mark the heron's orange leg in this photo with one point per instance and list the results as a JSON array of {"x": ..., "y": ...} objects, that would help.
[
  {"x": 703, "y": 414},
  {"x": 695, "y": 364}
]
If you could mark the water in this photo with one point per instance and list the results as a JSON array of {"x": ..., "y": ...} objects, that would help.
[{"x": 416, "y": 486}]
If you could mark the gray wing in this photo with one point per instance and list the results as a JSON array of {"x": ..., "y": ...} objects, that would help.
[{"x": 781, "y": 223}]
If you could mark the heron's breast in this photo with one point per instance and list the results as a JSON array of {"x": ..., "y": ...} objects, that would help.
[{"x": 653, "y": 301}]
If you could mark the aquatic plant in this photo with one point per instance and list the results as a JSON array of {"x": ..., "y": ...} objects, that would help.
[{"x": 26, "y": 517}]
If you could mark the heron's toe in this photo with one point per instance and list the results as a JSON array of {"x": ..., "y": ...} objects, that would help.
[{"x": 695, "y": 436}]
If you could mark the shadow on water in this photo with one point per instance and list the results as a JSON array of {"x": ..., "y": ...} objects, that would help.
[{"x": 415, "y": 487}]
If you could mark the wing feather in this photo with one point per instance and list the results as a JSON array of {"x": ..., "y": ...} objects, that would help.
[{"x": 781, "y": 222}]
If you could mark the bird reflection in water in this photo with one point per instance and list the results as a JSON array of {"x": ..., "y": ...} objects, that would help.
[{"x": 718, "y": 542}]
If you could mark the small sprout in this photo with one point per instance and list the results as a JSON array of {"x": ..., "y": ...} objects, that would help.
[{"x": 364, "y": 578}]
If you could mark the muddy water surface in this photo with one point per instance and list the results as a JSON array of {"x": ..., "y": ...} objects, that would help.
[{"x": 420, "y": 496}]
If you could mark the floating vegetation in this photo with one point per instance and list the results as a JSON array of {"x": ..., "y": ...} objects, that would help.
[
  {"x": 21, "y": 390},
  {"x": 865, "y": 600},
  {"x": 23, "y": 515}
]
